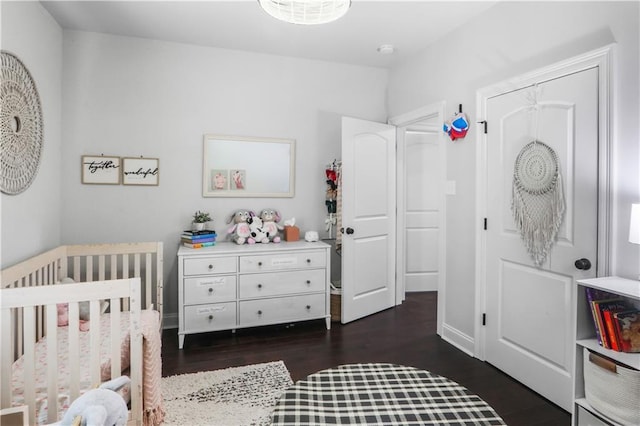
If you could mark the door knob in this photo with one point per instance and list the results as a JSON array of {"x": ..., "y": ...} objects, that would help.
[
  {"x": 349, "y": 231},
  {"x": 584, "y": 264}
]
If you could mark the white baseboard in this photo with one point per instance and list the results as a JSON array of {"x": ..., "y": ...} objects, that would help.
[{"x": 458, "y": 339}]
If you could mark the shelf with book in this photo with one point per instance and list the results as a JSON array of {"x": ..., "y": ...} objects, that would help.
[{"x": 587, "y": 337}]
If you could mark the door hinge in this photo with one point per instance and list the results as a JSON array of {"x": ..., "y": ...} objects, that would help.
[
  {"x": 484, "y": 319},
  {"x": 484, "y": 122},
  {"x": 485, "y": 223}
]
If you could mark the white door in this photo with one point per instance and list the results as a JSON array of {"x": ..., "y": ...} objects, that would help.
[
  {"x": 368, "y": 218},
  {"x": 419, "y": 206},
  {"x": 529, "y": 309}
]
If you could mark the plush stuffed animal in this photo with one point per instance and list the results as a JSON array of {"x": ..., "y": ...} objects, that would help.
[
  {"x": 101, "y": 406},
  {"x": 258, "y": 234},
  {"x": 240, "y": 230},
  {"x": 83, "y": 308},
  {"x": 270, "y": 219}
]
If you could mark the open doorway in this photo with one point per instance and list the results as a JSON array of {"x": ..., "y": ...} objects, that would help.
[{"x": 421, "y": 219}]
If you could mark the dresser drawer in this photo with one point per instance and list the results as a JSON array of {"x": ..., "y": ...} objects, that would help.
[
  {"x": 283, "y": 261},
  {"x": 209, "y": 289},
  {"x": 210, "y": 265},
  {"x": 282, "y": 283},
  {"x": 217, "y": 316},
  {"x": 282, "y": 309}
]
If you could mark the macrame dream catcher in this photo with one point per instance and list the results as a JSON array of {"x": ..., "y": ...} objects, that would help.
[
  {"x": 21, "y": 125},
  {"x": 537, "y": 202}
]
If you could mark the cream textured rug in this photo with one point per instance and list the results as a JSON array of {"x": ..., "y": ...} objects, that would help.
[{"x": 240, "y": 396}]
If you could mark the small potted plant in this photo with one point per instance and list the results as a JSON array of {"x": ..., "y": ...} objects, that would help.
[{"x": 199, "y": 220}]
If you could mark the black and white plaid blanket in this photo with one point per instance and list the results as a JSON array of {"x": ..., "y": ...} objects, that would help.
[{"x": 380, "y": 394}]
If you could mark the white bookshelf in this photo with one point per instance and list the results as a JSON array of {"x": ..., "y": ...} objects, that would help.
[{"x": 584, "y": 414}]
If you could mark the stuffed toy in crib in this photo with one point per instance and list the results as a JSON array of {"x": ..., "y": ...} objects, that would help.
[
  {"x": 270, "y": 219},
  {"x": 83, "y": 308},
  {"x": 239, "y": 232},
  {"x": 103, "y": 406}
]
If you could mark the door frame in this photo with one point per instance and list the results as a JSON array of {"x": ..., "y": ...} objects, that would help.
[
  {"x": 600, "y": 58},
  {"x": 403, "y": 122}
]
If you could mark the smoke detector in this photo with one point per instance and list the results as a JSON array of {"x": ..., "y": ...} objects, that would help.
[{"x": 386, "y": 49}]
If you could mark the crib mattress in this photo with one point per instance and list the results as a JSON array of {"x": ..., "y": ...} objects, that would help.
[{"x": 17, "y": 381}]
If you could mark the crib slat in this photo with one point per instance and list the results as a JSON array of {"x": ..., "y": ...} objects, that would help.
[
  {"x": 148, "y": 280},
  {"x": 101, "y": 268},
  {"x": 116, "y": 367},
  {"x": 94, "y": 340},
  {"x": 136, "y": 350},
  {"x": 89, "y": 269},
  {"x": 29, "y": 359},
  {"x": 6, "y": 359},
  {"x": 125, "y": 274},
  {"x": 114, "y": 267},
  {"x": 18, "y": 329},
  {"x": 136, "y": 265},
  {"x": 52, "y": 357},
  {"x": 76, "y": 269},
  {"x": 74, "y": 350},
  {"x": 159, "y": 281}
]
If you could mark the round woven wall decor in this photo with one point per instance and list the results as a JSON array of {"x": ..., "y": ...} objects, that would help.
[
  {"x": 536, "y": 168},
  {"x": 537, "y": 201},
  {"x": 22, "y": 127}
]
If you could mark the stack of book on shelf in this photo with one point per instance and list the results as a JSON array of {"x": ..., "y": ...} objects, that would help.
[
  {"x": 198, "y": 239},
  {"x": 616, "y": 320}
]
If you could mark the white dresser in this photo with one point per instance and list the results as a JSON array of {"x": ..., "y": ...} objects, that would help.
[{"x": 230, "y": 286}]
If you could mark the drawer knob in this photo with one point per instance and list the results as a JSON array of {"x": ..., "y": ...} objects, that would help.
[
  {"x": 259, "y": 285},
  {"x": 259, "y": 263},
  {"x": 308, "y": 260},
  {"x": 210, "y": 290},
  {"x": 308, "y": 281},
  {"x": 210, "y": 266},
  {"x": 259, "y": 312},
  {"x": 210, "y": 317},
  {"x": 308, "y": 307}
]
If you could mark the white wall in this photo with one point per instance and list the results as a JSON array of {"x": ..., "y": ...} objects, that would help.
[
  {"x": 509, "y": 39},
  {"x": 131, "y": 97},
  {"x": 30, "y": 220}
]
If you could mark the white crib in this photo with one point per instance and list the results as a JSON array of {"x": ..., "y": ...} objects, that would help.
[{"x": 129, "y": 276}]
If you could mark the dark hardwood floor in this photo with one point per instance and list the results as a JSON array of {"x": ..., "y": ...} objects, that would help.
[{"x": 402, "y": 335}]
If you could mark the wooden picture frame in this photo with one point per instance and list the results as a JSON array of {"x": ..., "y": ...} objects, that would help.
[
  {"x": 241, "y": 166},
  {"x": 100, "y": 170},
  {"x": 140, "y": 171}
]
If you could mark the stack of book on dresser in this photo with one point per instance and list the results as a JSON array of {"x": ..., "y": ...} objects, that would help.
[
  {"x": 198, "y": 239},
  {"x": 616, "y": 320}
]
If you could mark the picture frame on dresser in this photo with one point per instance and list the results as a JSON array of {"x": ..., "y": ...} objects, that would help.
[{"x": 237, "y": 166}]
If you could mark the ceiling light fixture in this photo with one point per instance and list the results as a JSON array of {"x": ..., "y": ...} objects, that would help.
[{"x": 306, "y": 12}]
